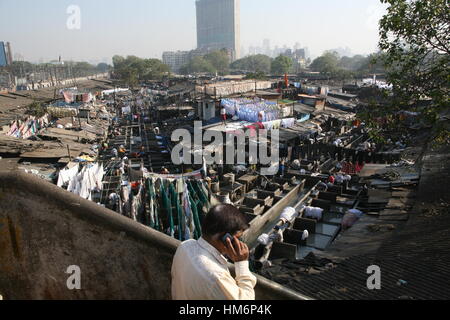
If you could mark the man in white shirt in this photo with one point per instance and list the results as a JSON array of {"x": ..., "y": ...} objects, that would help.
[
  {"x": 223, "y": 114},
  {"x": 261, "y": 116},
  {"x": 200, "y": 268}
]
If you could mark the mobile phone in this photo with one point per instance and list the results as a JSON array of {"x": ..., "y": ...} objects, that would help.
[{"x": 227, "y": 236}]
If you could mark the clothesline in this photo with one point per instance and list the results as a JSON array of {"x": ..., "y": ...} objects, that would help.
[
  {"x": 196, "y": 174},
  {"x": 173, "y": 207},
  {"x": 28, "y": 127}
]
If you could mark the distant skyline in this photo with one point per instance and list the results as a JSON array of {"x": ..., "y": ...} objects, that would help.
[{"x": 38, "y": 30}]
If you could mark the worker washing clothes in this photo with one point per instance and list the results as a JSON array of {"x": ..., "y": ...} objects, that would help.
[
  {"x": 322, "y": 186},
  {"x": 316, "y": 166},
  {"x": 339, "y": 166},
  {"x": 282, "y": 167},
  {"x": 113, "y": 201},
  {"x": 164, "y": 170},
  {"x": 261, "y": 116},
  {"x": 104, "y": 146},
  {"x": 142, "y": 152},
  {"x": 331, "y": 181},
  {"x": 200, "y": 267},
  {"x": 339, "y": 179},
  {"x": 114, "y": 153},
  {"x": 122, "y": 151},
  {"x": 223, "y": 113}
]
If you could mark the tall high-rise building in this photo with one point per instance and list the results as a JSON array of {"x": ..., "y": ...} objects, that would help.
[
  {"x": 266, "y": 47},
  {"x": 3, "y": 59},
  {"x": 218, "y": 25},
  {"x": 6, "y": 57}
]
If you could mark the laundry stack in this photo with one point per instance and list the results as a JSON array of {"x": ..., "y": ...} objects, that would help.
[{"x": 250, "y": 109}]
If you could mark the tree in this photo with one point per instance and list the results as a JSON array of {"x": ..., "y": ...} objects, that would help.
[
  {"x": 132, "y": 69},
  {"x": 36, "y": 109},
  {"x": 326, "y": 64},
  {"x": 20, "y": 68},
  {"x": 256, "y": 63},
  {"x": 118, "y": 61},
  {"x": 103, "y": 67},
  {"x": 154, "y": 69},
  {"x": 84, "y": 66},
  {"x": 281, "y": 65},
  {"x": 219, "y": 60},
  {"x": 256, "y": 76},
  {"x": 415, "y": 37},
  {"x": 344, "y": 74},
  {"x": 198, "y": 65},
  {"x": 352, "y": 63},
  {"x": 373, "y": 64}
]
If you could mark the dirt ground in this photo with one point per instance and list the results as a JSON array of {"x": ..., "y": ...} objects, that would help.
[{"x": 12, "y": 105}]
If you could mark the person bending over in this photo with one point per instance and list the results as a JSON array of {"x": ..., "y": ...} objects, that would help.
[{"x": 200, "y": 267}]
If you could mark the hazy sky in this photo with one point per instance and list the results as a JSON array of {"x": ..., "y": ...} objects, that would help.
[{"x": 37, "y": 29}]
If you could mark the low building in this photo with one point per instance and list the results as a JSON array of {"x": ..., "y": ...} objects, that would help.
[{"x": 176, "y": 59}]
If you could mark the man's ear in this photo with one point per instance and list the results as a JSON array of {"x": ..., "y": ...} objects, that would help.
[{"x": 219, "y": 236}]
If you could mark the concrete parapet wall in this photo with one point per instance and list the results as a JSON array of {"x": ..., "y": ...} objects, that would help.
[{"x": 45, "y": 229}]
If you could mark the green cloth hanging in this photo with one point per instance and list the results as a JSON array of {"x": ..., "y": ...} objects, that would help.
[
  {"x": 200, "y": 202},
  {"x": 198, "y": 228},
  {"x": 176, "y": 204},
  {"x": 158, "y": 225},
  {"x": 168, "y": 206}
]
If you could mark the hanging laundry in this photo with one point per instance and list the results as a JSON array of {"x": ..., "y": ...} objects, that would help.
[
  {"x": 189, "y": 221},
  {"x": 180, "y": 185},
  {"x": 152, "y": 210},
  {"x": 168, "y": 208},
  {"x": 69, "y": 97},
  {"x": 66, "y": 175}
]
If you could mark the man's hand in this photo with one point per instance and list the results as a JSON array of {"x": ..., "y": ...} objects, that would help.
[{"x": 237, "y": 251}]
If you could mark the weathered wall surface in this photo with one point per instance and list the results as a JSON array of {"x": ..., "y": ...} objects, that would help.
[
  {"x": 44, "y": 230},
  {"x": 39, "y": 240}
]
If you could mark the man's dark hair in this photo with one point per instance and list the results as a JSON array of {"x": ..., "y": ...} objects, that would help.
[{"x": 222, "y": 219}]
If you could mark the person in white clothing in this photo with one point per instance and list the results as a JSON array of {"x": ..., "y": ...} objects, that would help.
[
  {"x": 261, "y": 116},
  {"x": 223, "y": 114},
  {"x": 200, "y": 267}
]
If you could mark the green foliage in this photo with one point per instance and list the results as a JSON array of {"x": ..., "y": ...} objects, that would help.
[
  {"x": 415, "y": 37},
  {"x": 21, "y": 67},
  {"x": 256, "y": 76},
  {"x": 327, "y": 63},
  {"x": 198, "y": 65},
  {"x": 215, "y": 62},
  {"x": 36, "y": 109},
  {"x": 77, "y": 69},
  {"x": 219, "y": 60},
  {"x": 133, "y": 69},
  {"x": 343, "y": 68},
  {"x": 442, "y": 137},
  {"x": 352, "y": 63},
  {"x": 281, "y": 65},
  {"x": 103, "y": 67},
  {"x": 84, "y": 66},
  {"x": 256, "y": 63},
  {"x": 374, "y": 63}
]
